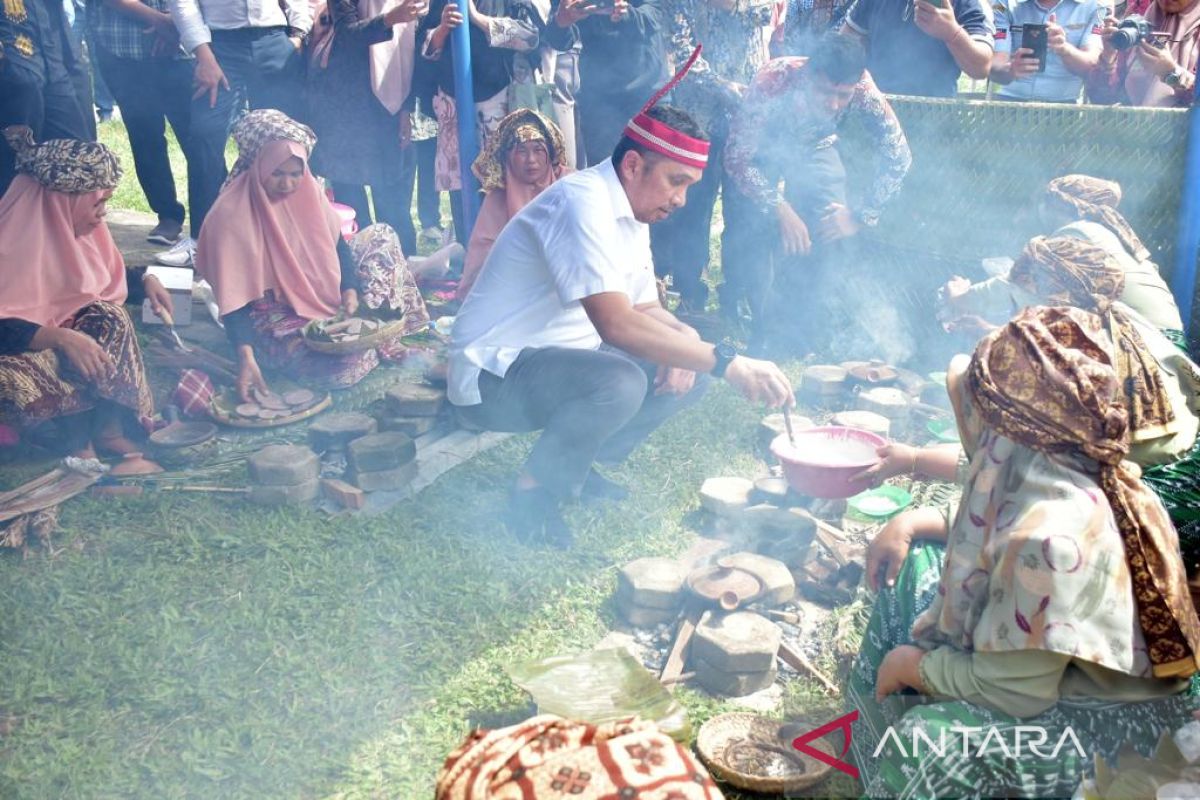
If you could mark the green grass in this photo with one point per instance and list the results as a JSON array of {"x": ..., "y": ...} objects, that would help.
[{"x": 128, "y": 194}]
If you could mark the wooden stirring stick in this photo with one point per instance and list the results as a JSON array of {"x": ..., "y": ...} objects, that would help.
[{"x": 787, "y": 423}]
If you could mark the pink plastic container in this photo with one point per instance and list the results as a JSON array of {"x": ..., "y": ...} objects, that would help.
[
  {"x": 824, "y": 461},
  {"x": 346, "y": 215}
]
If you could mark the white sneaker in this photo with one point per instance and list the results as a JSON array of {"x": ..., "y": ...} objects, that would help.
[{"x": 182, "y": 254}]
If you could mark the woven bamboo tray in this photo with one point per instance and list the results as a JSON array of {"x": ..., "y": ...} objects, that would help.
[
  {"x": 224, "y": 402},
  {"x": 386, "y": 333},
  {"x": 753, "y": 753}
]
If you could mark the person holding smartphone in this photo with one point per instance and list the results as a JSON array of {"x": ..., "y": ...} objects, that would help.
[
  {"x": 920, "y": 47},
  {"x": 622, "y": 61},
  {"x": 1046, "y": 48}
]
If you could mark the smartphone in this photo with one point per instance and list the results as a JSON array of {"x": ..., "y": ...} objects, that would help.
[{"x": 1033, "y": 37}]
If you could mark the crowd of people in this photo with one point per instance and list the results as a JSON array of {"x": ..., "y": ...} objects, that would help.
[{"x": 375, "y": 81}]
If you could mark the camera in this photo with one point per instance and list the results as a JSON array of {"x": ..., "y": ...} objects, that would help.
[{"x": 1131, "y": 32}]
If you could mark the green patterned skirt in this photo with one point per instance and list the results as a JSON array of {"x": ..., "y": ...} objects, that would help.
[
  {"x": 1178, "y": 486},
  {"x": 1100, "y": 727}
]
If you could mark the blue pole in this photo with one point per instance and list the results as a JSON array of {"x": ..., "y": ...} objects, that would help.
[
  {"x": 1187, "y": 248},
  {"x": 464, "y": 101}
]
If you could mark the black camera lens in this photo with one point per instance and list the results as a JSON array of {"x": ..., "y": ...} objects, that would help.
[{"x": 1130, "y": 32}]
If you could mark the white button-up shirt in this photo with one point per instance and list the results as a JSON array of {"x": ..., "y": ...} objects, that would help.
[
  {"x": 578, "y": 238},
  {"x": 197, "y": 19}
]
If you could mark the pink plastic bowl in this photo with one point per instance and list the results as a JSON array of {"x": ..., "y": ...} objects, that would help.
[
  {"x": 346, "y": 215},
  {"x": 824, "y": 461}
]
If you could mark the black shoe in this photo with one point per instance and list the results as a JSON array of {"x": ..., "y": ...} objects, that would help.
[
  {"x": 167, "y": 232},
  {"x": 599, "y": 489},
  {"x": 534, "y": 517}
]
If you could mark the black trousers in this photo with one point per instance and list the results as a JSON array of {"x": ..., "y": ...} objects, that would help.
[
  {"x": 429, "y": 208},
  {"x": 150, "y": 94},
  {"x": 264, "y": 70},
  {"x": 591, "y": 406},
  {"x": 392, "y": 202},
  {"x": 681, "y": 242},
  {"x": 601, "y": 121}
]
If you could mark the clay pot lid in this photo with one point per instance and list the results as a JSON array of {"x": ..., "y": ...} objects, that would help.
[
  {"x": 873, "y": 372},
  {"x": 134, "y": 464},
  {"x": 183, "y": 434},
  {"x": 726, "y": 586}
]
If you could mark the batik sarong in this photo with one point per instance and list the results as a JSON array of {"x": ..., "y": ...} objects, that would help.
[{"x": 42, "y": 385}]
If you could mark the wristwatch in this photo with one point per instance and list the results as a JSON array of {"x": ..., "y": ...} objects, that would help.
[
  {"x": 1174, "y": 78},
  {"x": 724, "y": 351}
]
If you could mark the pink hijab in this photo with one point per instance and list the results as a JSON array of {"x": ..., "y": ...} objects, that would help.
[
  {"x": 251, "y": 243},
  {"x": 54, "y": 271}
]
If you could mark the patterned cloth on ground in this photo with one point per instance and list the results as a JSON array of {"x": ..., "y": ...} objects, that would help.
[{"x": 549, "y": 757}]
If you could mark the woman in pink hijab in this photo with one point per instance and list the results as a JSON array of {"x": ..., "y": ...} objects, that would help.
[
  {"x": 1146, "y": 74},
  {"x": 525, "y": 155},
  {"x": 272, "y": 249},
  {"x": 68, "y": 351}
]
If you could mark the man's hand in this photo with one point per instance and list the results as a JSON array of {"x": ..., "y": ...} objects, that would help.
[
  {"x": 620, "y": 10},
  {"x": 406, "y": 11},
  {"x": 349, "y": 302},
  {"x": 672, "y": 380},
  {"x": 760, "y": 382},
  {"x": 85, "y": 354},
  {"x": 572, "y": 11},
  {"x": 249, "y": 375},
  {"x": 936, "y": 21},
  {"x": 838, "y": 223},
  {"x": 887, "y": 551},
  {"x": 1022, "y": 63},
  {"x": 792, "y": 231},
  {"x": 208, "y": 77},
  {"x": 166, "y": 36},
  {"x": 1056, "y": 36},
  {"x": 159, "y": 297},
  {"x": 1157, "y": 60},
  {"x": 899, "y": 670}
]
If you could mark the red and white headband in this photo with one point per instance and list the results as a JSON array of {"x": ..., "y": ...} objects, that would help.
[{"x": 660, "y": 137}]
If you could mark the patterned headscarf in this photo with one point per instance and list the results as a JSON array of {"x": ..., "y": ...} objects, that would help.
[
  {"x": 522, "y": 125},
  {"x": 264, "y": 125},
  {"x": 1065, "y": 271},
  {"x": 70, "y": 166},
  {"x": 1048, "y": 380},
  {"x": 1097, "y": 200}
]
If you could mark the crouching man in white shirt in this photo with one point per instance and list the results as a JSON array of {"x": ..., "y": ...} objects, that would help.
[{"x": 564, "y": 332}]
